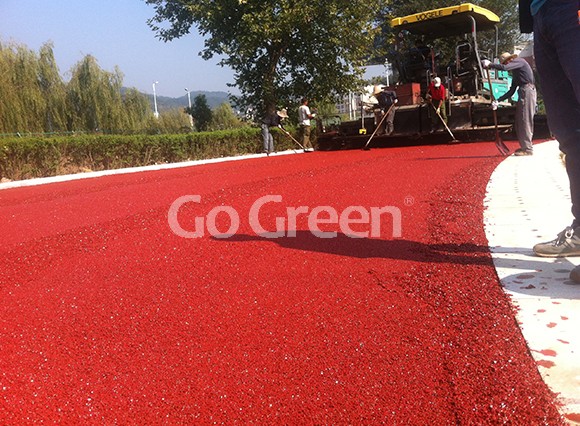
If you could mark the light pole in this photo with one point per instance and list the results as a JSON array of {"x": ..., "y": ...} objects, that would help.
[
  {"x": 189, "y": 102},
  {"x": 155, "y": 112},
  {"x": 388, "y": 69}
]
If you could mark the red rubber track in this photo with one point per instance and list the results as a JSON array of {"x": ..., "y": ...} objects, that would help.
[{"x": 107, "y": 317}]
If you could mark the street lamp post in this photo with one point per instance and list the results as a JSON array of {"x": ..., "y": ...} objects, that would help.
[
  {"x": 155, "y": 112},
  {"x": 388, "y": 70},
  {"x": 189, "y": 102}
]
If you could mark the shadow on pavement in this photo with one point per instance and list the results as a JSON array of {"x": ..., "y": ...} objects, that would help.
[
  {"x": 364, "y": 248},
  {"x": 535, "y": 276}
]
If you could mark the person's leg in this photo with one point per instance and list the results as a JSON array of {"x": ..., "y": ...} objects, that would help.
[
  {"x": 443, "y": 111},
  {"x": 434, "y": 117},
  {"x": 390, "y": 121},
  {"x": 384, "y": 125},
  {"x": 270, "y": 142},
  {"x": 378, "y": 118},
  {"x": 377, "y": 113},
  {"x": 525, "y": 112},
  {"x": 306, "y": 137},
  {"x": 266, "y": 137},
  {"x": 556, "y": 51},
  {"x": 519, "y": 124}
]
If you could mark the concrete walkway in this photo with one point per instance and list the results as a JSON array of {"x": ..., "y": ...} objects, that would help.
[{"x": 528, "y": 202}]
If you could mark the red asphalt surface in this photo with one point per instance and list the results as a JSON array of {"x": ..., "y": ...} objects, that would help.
[{"x": 108, "y": 317}]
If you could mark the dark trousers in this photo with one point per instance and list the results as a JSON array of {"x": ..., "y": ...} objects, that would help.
[
  {"x": 267, "y": 138},
  {"x": 557, "y": 54},
  {"x": 388, "y": 125}
]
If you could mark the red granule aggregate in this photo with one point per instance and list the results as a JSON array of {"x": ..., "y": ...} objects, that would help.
[{"x": 108, "y": 317}]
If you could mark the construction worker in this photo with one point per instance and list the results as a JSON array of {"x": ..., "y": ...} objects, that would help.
[
  {"x": 436, "y": 95},
  {"x": 304, "y": 116},
  {"x": 385, "y": 98},
  {"x": 271, "y": 120},
  {"x": 523, "y": 81}
]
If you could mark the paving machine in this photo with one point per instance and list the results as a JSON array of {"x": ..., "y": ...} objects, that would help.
[{"x": 470, "y": 116}]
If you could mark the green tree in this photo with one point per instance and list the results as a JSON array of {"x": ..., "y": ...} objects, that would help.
[
  {"x": 508, "y": 27},
  {"x": 137, "y": 110},
  {"x": 170, "y": 121},
  {"x": 223, "y": 117},
  {"x": 12, "y": 112},
  {"x": 53, "y": 90},
  {"x": 24, "y": 105},
  {"x": 94, "y": 97},
  {"x": 201, "y": 113},
  {"x": 34, "y": 97},
  {"x": 279, "y": 50}
]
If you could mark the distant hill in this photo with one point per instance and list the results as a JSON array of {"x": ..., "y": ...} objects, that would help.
[
  {"x": 213, "y": 100},
  {"x": 165, "y": 103}
]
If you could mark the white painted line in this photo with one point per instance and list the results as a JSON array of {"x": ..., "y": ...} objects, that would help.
[{"x": 527, "y": 202}]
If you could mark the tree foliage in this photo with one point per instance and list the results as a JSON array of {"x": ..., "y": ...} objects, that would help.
[
  {"x": 173, "y": 121},
  {"x": 283, "y": 50},
  {"x": 201, "y": 113},
  {"x": 223, "y": 117},
  {"x": 278, "y": 50},
  {"x": 95, "y": 96},
  {"x": 508, "y": 27},
  {"x": 53, "y": 90},
  {"x": 35, "y": 99}
]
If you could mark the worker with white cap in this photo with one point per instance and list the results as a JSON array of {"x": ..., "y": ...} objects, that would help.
[
  {"x": 523, "y": 81},
  {"x": 436, "y": 95}
]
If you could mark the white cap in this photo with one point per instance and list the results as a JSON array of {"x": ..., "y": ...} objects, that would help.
[{"x": 437, "y": 81}]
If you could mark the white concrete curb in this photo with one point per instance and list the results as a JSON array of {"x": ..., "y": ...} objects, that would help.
[
  {"x": 528, "y": 202},
  {"x": 88, "y": 175}
]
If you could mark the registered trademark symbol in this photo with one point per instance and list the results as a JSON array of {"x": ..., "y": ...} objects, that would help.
[{"x": 409, "y": 200}]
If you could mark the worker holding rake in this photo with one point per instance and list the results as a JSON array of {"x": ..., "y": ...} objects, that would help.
[
  {"x": 271, "y": 120},
  {"x": 436, "y": 95},
  {"x": 523, "y": 81},
  {"x": 384, "y": 114}
]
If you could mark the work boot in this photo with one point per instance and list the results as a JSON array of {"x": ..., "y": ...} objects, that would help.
[
  {"x": 575, "y": 274},
  {"x": 566, "y": 244}
]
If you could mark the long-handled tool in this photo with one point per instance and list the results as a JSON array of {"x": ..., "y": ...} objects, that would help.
[
  {"x": 453, "y": 140},
  {"x": 366, "y": 147},
  {"x": 292, "y": 138},
  {"x": 499, "y": 143}
]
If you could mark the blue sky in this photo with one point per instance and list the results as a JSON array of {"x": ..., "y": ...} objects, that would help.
[{"x": 115, "y": 32}]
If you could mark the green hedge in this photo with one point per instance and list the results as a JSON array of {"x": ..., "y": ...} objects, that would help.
[{"x": 30, "y": 157}]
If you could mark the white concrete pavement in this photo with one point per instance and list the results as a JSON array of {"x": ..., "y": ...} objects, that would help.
[{"x": 528, "y": 202}]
